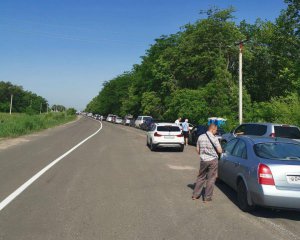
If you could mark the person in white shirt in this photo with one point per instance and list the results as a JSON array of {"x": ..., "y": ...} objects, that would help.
[{"x": 177, "y": 122}]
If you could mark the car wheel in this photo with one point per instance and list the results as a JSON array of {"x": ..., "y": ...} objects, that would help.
[
  {"x": 181, "y": 148},
  {"x": 152, "y": 146},
  {"x": 242, "y": 193}
]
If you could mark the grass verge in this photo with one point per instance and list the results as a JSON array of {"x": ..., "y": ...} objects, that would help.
[{"x": 20, "y": 124}]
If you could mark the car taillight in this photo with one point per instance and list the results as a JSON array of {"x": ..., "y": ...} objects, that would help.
[
  {"x": 265, "y": 176},
  {"x": 157, "y": 135},
  {"x": 179, "y": 135},
  {"x": 272, "y": 135}
]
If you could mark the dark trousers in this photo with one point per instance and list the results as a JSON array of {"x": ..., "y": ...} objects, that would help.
[{"x": 207, "y": 174}]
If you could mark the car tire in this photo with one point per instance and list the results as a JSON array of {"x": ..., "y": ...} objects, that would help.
[
  {"x": 152, "y": 146},
  {"x": 242, "y": 194},
  {"x": 181, "y": 148}
]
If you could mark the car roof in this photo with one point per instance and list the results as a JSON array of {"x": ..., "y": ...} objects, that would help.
[
  {"x": 269, "y": 124},
  {"x": 258, "y": 139}
]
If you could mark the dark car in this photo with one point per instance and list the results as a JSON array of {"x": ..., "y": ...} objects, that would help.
[
  {"x": 147, "y": 124},
  {"x": 195, "y": 133},
  {"x": 132, "y": 122},
  {"x": 201, "y": 129}
]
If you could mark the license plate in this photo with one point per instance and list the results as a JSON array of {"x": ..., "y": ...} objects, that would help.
[
  {"x": 295, "y": 179},
  {"x": 169, "y": 137}
]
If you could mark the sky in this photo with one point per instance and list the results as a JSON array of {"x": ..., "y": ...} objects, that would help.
[{"x": 64, "y": 50}]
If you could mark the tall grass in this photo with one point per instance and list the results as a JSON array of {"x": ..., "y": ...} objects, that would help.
[{"x": 19, "y": 124}]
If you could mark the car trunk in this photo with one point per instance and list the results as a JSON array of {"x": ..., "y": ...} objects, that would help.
[{"x": 286, "y": 173}]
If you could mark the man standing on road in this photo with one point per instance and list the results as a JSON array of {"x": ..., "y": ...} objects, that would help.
[
  {"x": 185, "y": 131},
  {"x": 208, "y": 147}
]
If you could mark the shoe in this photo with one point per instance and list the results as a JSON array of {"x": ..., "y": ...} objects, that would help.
[{"x": 207, "y": 200}]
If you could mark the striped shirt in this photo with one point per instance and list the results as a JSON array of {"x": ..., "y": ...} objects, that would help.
[{"x": 207, "y": 151}]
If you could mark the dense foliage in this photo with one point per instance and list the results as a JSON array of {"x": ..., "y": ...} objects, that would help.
[
  {"x": 23, "y": 101},
  {"x": 194, "y": 73}
]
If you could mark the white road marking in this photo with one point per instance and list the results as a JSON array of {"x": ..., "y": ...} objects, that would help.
[{"x": 17, "y": 192}]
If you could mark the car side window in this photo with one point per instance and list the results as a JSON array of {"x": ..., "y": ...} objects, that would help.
[
  {"x": 229, "y": 146},
  {"x": 240, "y": 150},
  {"x": 256, "y": 129},
  {"x": 241, "y": 130}
]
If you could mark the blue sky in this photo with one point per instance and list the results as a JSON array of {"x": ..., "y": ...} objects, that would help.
[{"x": 64, "y": 50}]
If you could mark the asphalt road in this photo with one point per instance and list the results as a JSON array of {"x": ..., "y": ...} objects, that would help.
[{"x": 114, "y": 187}]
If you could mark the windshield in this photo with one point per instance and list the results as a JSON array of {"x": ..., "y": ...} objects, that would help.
[{"x": 282, "y": 151}]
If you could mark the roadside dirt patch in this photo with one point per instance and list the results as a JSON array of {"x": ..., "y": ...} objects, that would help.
[{"x": 6, "y": 143}]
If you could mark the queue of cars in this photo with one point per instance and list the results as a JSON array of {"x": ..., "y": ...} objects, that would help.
[{"x": 260, "y": 161}]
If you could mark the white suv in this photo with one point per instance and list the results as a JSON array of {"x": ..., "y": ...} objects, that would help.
[
  {"x": 140, "y": 120},
  {"x": 165, "y": 135}
]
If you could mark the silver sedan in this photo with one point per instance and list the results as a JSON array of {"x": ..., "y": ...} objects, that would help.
[{"x": 263, "y": 171}]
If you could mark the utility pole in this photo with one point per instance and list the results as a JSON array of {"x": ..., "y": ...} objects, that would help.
[
  {"x": 41, "y": 108},
  {"x": 11, "y": 101},
  {"x": 241, "y": 45}
]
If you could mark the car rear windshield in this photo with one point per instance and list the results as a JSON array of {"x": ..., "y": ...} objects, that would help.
[
  {"x": 147, "y": 118},
  {"x": 168, "y": 129},
  {"x": 287, "y": 132},
  {"x": 281, "y": 151}
]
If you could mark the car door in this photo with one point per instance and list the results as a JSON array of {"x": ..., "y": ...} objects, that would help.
[
  {"x": 225, "y": 165},
  {"x": 239, "y": 163}
]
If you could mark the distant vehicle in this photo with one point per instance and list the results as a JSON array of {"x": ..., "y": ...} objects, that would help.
[
  {"x": 263, "y": 171},
  {"x": 147, "y": 124},
  {"x": 264, "y": 130},
  {"x": 201, "y": 129},
  {"x": 140, "y": 120},
  {"x": 113, "y": 118},
  {"x": 127, "y": 119},
  {"x": 165, "y": 135},
  {"x": 118, "y": 120},
  {"x": 90, "y": 115},
  {"x": 132, "y": 122},
  {"x": 110, "y": 117}
]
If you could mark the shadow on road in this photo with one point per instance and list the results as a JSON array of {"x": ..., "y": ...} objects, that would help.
[
  {"x": 260, "y": 211},
  {"x": 166, "y": 149}
]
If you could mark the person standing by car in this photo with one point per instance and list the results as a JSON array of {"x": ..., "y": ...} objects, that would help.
[
  {"x": 208, "y": 148},
  {"x": 177, "y": 122},
  {"x": 185, "y": 131}
]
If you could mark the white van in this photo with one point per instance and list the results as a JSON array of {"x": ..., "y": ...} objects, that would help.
[{"x": 140, "y": 120}]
